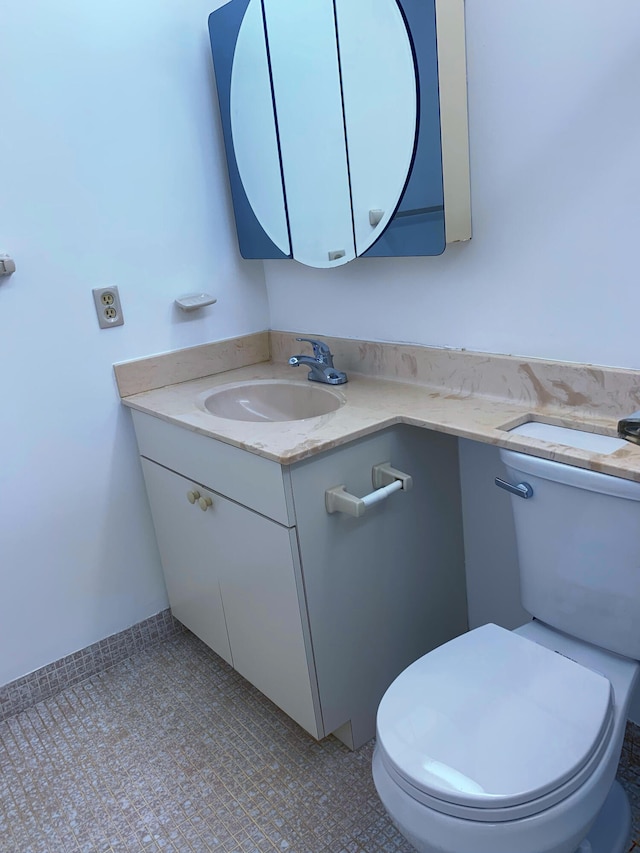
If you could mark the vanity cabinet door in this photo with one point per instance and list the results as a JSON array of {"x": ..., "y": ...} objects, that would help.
[
  {"x": 233, "y": 578},
  {"x": 263, "y": 604},
  {"x": 184, "y": 533}
]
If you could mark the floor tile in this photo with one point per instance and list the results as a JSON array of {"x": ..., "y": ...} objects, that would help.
[{"x": 172, "y": 751}]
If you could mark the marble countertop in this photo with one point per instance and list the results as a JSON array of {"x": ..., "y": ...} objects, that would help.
[{"x": 371, "y": 404}]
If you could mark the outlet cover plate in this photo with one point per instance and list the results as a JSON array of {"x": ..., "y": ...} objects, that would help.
[{"x": 108, "y": 307}]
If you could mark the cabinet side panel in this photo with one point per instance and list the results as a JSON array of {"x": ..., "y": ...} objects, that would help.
[
  {"x": 452, "y": 73},
  {"x": 244, "y": 477},
  {"x": 386, "y": 588}
]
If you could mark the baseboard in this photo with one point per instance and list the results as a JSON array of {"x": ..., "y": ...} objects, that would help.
[{"x": 50, "y": 680}]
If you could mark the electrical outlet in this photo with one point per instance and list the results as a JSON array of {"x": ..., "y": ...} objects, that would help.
[{"x": 108, "y": 308}]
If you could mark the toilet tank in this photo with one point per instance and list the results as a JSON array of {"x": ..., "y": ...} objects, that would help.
[{"x": 578, "y": 540}]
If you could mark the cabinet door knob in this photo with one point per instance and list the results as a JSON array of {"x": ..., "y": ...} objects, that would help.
[
  {"x": 205, "y": 503},
  {"x": 192, "y": 496}
]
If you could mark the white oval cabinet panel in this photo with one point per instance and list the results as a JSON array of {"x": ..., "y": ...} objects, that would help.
[
  {"x": 255, "y": 142},
  {"x": 380, "y": 110},
  {"x": 308, "y": 104}
]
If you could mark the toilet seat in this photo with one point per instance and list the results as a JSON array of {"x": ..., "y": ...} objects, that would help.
[{"x": 493, "y": 726}]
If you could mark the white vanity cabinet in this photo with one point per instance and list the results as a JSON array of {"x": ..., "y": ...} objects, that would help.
[
  {"x": 319, "y": 611},
  {"x": 232, "y": 571}
]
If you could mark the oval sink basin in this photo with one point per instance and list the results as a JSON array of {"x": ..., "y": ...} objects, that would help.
[{"x": 270, "y": 400}]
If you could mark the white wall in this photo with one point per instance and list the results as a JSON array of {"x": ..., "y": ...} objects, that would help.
[
  {"x": 554, "y": 140},
  {"x": 112, "y": 172}
]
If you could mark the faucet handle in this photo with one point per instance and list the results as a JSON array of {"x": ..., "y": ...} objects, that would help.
[{"x": 319, "y": 347}]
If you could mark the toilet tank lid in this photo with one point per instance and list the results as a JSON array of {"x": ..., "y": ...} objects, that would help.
[{"x": 491, "y": 720}]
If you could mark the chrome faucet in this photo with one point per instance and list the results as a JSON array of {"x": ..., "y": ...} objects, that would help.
[{"x": 320, "y": 365}]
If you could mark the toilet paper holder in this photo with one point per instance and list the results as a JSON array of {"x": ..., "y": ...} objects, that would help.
[{"x": 385, "y": 479}]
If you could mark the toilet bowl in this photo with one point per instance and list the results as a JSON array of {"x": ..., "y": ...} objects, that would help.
[
  {"x": 506, "y": 742},
  {"x": 509, "y": 741}
]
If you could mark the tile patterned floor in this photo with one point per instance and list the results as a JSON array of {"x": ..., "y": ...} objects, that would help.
[{"x": 172, "y": 750}]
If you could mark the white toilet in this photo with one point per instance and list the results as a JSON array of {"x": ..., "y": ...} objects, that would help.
[{"x": 508, "y": 741}]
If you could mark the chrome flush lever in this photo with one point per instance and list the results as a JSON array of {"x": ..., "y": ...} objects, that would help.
[{"x": 522, "y": 490}]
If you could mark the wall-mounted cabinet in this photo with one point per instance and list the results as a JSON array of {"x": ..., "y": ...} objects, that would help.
[{"x": 345, "y": 126}]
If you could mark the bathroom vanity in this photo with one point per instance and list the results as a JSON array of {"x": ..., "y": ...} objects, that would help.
[{"x": 319, "y": 611}]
